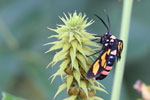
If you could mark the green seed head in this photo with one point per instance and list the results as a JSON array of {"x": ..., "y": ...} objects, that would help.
[{"x": 74, "y": 43}]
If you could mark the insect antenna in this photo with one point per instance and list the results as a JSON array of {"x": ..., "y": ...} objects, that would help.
[
  {"x": 107, "y": 21},
  {"x": 103, "y": 22}
]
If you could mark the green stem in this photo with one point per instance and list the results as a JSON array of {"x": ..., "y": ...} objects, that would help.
[{"x": 126, "y": 15}]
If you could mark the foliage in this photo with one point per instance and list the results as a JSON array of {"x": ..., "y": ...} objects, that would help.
[{"x": 7, "y": 96}]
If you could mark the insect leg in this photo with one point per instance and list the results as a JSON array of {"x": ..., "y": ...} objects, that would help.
[
  {"x": 97, "y": 35},
  {"x": 100, "y": 37},
  {"x": 94, "y": 39},
  {"x": 94, "y": 53}
]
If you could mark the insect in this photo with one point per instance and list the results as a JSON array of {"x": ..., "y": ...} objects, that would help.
[{"x": 111, "y": 50}]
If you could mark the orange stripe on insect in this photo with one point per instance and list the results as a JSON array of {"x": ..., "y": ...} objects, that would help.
[
  {"x": 96, "y": 67},
  {"x": 104, "y": 72},
  {"x": 108, "y": 68},
  {"x": 103, "y": 58},
  {"x": 119, "y": 46},
  {"x": 105, "y": 65}
]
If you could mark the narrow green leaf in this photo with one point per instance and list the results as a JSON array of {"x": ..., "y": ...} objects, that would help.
[
  {"x": 69, "y": 80},
  {"x": 89, "y": 62},
  {"x": 80, "y": 49},
  {"x": 78, "y": 38},
  {"x": 54, "y": 30},
  {"x": 63, "y": 19},
  {"x": 89, "y": 98},
  {"x": 81, "y": 58},
  {"x": 98, "y": 88},
  {"x": 92, "y": 82},
  {"x": 76, "y": 65},
  {"x": 69, "y": 15},
  {"x": 64, "y": 64},
  {"x": 61, "y": 36},
  {"x": 88, "y": 35},
  {"x": 88, "y": 42},
  {"x": 84, "y": 87},
  {"x": 139, "y": 99},
  {"x": 66, "y": 17},
  {"x": 6, "y": 96},
  {"x": 60, "y": 26},
  {"x": 60, "y": 89},
  {"x": 88, "y": 50},
  {"x": 76, "y": 75},
  {"x": 66, "y": 46},
  {"x": 71, "y": 36},
  {"x": 98, "y": 83},
  {"x": 73, "y": 97},
  {"x": 55, "y": 47},
  {"x": 56, "y": 42},
  {"x": 97, "y": 98},
  {"x": 73, "y": 56},
  {"x": 82, "y": 17},
  {"x": 84, "y": 67},
  {"x": 59, "y": 72},
  {"x": 53, "y": 36},
  {"x": 74, "y": 45},
  {"x": 81, "y": 35},
  {"x": 89, "y": 23},
  {"x": 60, "y": 56}
]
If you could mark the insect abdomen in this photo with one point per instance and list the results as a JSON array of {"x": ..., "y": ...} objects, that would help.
[{"x": 110, "y": 61}]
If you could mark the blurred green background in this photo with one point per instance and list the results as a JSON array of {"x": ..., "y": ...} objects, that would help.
[{"x": 23, "y": 31}]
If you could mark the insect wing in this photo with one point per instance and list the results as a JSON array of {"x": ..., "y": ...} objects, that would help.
[
  {"x": 94, "y": 70},
  {"x": 98, "y": 65},
  {"x": 106, "y": 67},
  {"x": 119, "y": 49}
]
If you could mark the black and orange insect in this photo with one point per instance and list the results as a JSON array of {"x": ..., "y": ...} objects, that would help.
[{"x": 111, "y": 50}]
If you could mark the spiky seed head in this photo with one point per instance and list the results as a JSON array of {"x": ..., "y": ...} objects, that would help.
[{"x": 73, "y": 42}]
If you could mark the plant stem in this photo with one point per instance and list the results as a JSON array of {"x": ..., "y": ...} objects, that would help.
[{"x": 126, "y": 15}]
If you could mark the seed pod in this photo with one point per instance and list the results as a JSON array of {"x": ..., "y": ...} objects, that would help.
[
  {"x": 75, "y": 90},
  {"x": 91, "y": 93},
  {"x": 82, "y": 94},
  {"x": 87, "y": 82},
  {"x": 69, "y": 70},
  {"x": 69, "y": 92}
]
